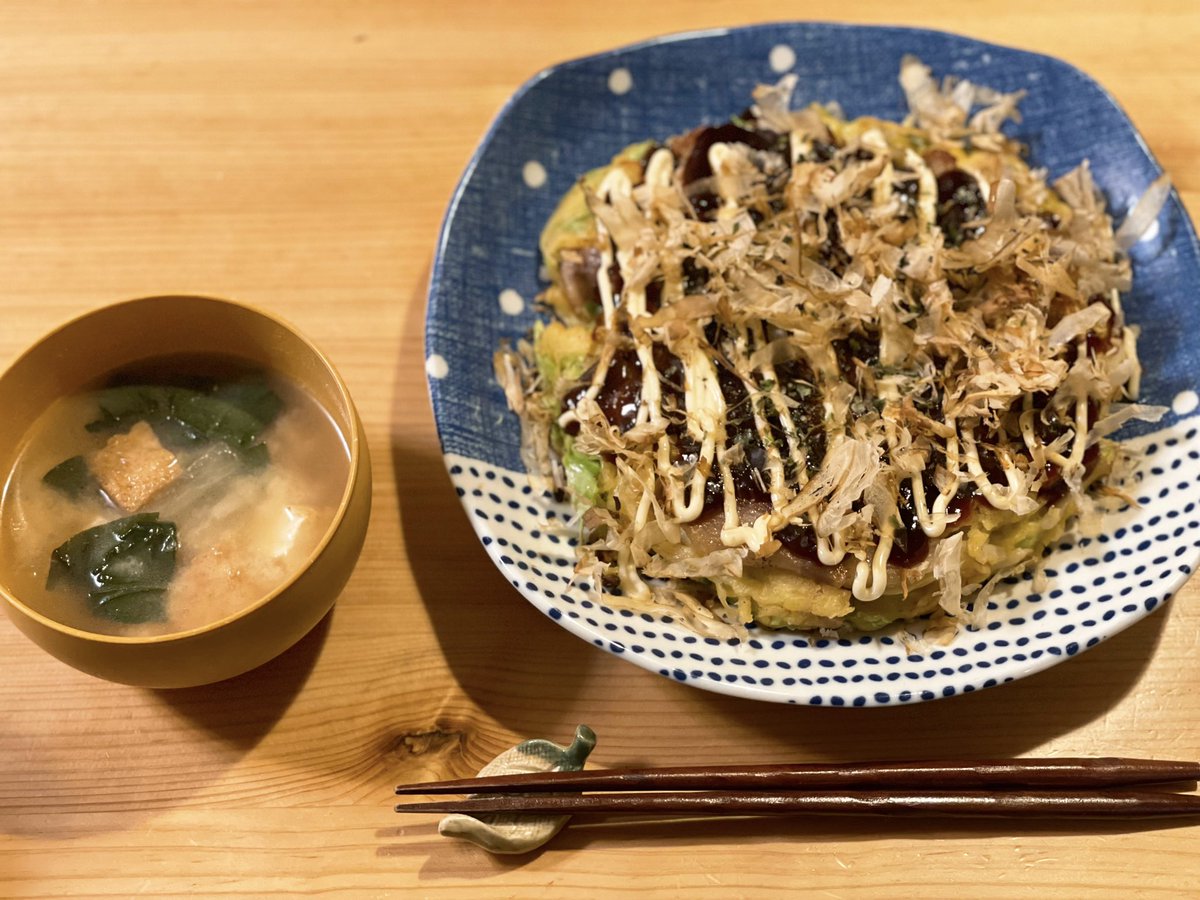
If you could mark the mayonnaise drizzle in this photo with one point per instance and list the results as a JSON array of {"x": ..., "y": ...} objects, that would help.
[{"x": 633, "y": 244}]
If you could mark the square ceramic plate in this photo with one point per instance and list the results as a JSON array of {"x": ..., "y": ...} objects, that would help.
[{"x": 574, "y": 117}]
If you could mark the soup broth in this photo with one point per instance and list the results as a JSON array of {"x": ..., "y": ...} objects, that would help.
[{"x": 158, "y": 503}]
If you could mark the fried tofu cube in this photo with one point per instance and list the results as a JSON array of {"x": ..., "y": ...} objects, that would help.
[{"x": 132, "y": 467}]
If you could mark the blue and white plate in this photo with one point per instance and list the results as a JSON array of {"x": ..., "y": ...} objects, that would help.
[{"x": 574, "y": 117}]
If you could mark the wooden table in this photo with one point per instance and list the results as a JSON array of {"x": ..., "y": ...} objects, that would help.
[{"x": 299, "y": 155}]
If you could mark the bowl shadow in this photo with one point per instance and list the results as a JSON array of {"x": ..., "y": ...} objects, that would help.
[
  {"x": 88, "y": 779},
  {"x": 240, "y": 711}
]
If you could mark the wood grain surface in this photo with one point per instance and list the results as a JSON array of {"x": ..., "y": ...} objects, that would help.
[{"x": 299, "y": 155}]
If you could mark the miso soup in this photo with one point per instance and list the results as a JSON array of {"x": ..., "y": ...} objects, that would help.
[{"x": 170, "y": 496}]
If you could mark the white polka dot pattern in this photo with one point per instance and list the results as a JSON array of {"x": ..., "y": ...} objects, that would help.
[
  {"x": 1185, "y": 402},
  {"x": 782, "y": 58},
  {"x": 436, "y": 366},
  {"x": 533, "y": 173},
  {"x": 620, "y": 81},
  {"x": 1094, "y": 588},
  {"x": 511, "y": 302}
]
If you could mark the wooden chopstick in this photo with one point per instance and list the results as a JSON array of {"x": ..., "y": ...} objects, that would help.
[
  {"x": 1019, "y": 804},
  {"x": 1070, "y": 773}
]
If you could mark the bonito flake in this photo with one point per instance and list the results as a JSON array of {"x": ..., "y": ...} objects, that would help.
[{"x": 829, "y": 374}]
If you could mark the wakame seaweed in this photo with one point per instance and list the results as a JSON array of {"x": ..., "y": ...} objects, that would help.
[
  {"x": 235, "y": 413},
  {"x": 71, "y": 477},
  {"x": 124, "y": 566},
  {"x": 252, "y": 396}
]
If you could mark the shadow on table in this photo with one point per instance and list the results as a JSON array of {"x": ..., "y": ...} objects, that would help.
[
  {"x": 118, "y": 761},
  {"x": 1008, "y": 720},
  {"x": 1003, "y": 722},
  {"x": 495, "y": 644},
  {"x": 582, "y": 833},
  {"x": 240, "y": 711},
  {"x": 458, "y": 860},
  {"x": 502, "y": 652}
]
